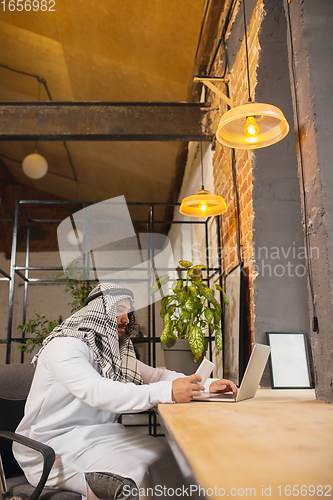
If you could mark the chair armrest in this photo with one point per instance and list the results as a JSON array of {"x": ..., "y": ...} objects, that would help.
[{"x": 46, "y": 451}]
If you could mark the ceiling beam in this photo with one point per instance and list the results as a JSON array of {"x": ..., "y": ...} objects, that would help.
[{"x": 104, "y": 121}]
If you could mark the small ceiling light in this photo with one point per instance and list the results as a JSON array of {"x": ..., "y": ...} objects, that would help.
[
  {"x": 34, "y": 166},
  {"x": 203, "y": 204},
  {"x": 75, "y": 237}
]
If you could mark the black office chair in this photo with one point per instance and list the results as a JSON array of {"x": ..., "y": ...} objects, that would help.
[{"x": 15, "y": 381}]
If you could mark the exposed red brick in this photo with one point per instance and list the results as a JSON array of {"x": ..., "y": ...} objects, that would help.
[{"x": 222, "y": 167}]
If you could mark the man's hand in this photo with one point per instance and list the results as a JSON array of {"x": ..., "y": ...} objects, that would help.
[
  {"x": 183, "y": 389},
  {"x": 223, "y": 385}
]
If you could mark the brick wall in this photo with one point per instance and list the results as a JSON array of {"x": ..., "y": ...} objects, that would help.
[{"x": 222, "y": 166}]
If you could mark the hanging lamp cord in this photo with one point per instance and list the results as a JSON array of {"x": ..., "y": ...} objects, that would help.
[
  {"x": 236, "y": 198},
  {"x": 39, "y": 83},
  {"x": 202, "y": 178},
  {"x": 42, "y": 81},
  {"x": 247, "y": 54}
]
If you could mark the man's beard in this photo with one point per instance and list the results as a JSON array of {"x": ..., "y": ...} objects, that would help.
[{"x": 122, "y": 333}]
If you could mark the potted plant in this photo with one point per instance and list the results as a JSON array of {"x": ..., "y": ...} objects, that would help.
[{"x": 186, "y": 314}]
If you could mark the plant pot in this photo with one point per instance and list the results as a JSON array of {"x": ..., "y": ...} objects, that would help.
[{"x": 179, "y": 358}]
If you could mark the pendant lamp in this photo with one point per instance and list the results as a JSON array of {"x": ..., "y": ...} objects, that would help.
[
  {"x": 203, "y": 204},
  {"x": 34, "y": 166},
  {"x": 252, "y": 125}
]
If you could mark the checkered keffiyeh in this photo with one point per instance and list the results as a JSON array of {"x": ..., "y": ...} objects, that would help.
[{"x": 96, "y": 325}]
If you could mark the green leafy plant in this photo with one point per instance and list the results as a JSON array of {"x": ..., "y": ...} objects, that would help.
[
  {"x": 185, "y": 311},
  {"x": 78, "y": 286},
  {"x": 40, "y": 326}
]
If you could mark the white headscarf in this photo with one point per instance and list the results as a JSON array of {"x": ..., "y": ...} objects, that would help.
[{"x": 96, "y": 325}]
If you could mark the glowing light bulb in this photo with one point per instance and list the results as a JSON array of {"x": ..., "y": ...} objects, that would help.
[
  {"x": 203, "y": 206},
  {"x": 251, "y": 128}
]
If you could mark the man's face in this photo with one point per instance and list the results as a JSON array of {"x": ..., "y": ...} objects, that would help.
[{"x": 123, "y": 308}]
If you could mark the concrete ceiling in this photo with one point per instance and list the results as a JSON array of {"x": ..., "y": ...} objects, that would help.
[{"x": 101, "y": 51}]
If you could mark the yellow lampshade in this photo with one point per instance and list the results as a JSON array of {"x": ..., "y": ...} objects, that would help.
[
  {"x": 203, "y": 204},
  {"x": 252, "y": 125}
]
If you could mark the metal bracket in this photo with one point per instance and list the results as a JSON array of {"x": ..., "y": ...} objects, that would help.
[{"x": 209, "y": 82}]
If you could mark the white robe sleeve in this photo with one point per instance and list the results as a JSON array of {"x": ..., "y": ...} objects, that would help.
[
  {"x": 69, "y": 363},
  {"x": 150, "y": 375}
]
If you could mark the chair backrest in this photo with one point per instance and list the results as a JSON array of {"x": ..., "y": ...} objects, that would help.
[{"x": 15, "y": 382}]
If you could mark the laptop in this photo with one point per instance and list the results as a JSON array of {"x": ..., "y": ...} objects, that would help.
[{"x": 250, "y": 382}]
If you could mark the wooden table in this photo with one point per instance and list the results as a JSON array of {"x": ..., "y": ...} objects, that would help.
[{"x": 270, "y": 445}]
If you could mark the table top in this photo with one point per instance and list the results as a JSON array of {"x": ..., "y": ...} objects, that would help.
[{"x": 278, "y": 439}]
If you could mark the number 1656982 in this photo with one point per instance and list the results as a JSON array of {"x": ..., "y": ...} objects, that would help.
[{"x": 28, "y": 5}]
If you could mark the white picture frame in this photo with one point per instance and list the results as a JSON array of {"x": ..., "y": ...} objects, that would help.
[{"x": 289, "y": 361}]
